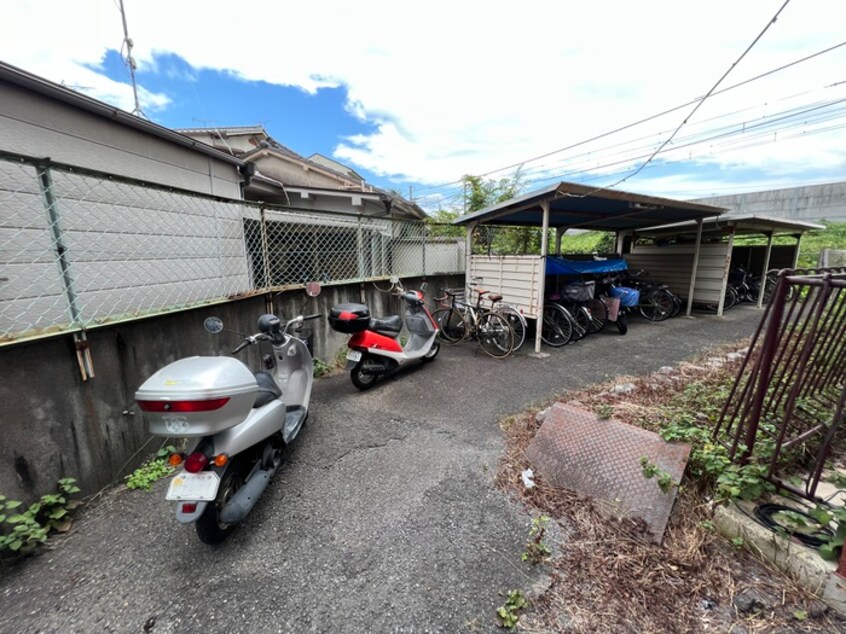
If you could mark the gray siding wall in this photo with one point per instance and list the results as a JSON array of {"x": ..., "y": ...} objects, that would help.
[
  {"x": 37, "y": 126},
  {"x": 811, "y": 203},
  {"x": 673, "y": 264}
]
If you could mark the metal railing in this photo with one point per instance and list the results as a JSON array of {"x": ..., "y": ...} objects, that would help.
[
  {"x": 790, "y": 392},
  {"x": 81, "y": 248}
]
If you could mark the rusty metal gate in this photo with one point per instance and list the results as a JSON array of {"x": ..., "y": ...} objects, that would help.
[{"x": 789, "y": 394}]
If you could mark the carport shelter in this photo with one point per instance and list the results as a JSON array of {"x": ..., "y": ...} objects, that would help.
[
  {"x": 663, "y": 251},
  {"x": 521, "y": 278}
]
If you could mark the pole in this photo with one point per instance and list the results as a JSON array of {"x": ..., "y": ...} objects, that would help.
[
  {"x": 763, "y": 283},
  {"x": 694, "y": 268},
  {"x": 542, "y": 282}
]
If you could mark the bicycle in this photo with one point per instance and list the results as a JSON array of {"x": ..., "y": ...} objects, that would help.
[
  {"x": 461, "y": 320},
  {"x": 515, "y": 318}
]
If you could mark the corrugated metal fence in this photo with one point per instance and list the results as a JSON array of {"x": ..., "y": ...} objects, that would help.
[{"x": 80, "y": 248}]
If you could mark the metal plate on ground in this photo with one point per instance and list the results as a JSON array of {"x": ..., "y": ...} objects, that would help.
[{"x": 600, "y": 459}]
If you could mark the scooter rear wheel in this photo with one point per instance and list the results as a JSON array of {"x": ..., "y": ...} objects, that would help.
[
  {"x": 361, "y": 379},
  {"x": 210, "y": 529}
]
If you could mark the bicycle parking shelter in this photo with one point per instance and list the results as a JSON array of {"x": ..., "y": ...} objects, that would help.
[
  {"x": 521, "y": 279},
  {"x": 664, "y": 255}
]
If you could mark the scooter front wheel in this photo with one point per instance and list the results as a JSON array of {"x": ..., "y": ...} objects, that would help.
[
  {"x": 210, "y": 529},
  {"x": 361, "y": 379},
  {"x": 433, "y": 352}
]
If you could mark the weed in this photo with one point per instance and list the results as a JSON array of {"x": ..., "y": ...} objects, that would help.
[
  {"x": 737, "y": 542},
  {"x": 22, "y": 533},
  {"x": 651, "y": 470},
  {"x": 154, "y": 469},
  {"x": 536, "y": 551},
  {"x": 509, "y": 614},
  {"x": 604, "y": 411},
  {"x": 320, "y": 368}
]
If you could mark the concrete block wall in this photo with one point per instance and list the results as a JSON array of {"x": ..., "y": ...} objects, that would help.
[{"x": 53, "y": 424}]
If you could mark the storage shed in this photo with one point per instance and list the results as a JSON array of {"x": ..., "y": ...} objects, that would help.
[{"x": 521, "y": 278}]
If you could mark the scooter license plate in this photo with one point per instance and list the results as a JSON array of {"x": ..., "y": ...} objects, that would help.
[
  {"x": 194, "y": 486},
  {"x": 354, "y": 356}
]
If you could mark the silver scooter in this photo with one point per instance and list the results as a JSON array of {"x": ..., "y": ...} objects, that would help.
[{"x": 237, "y": 422}]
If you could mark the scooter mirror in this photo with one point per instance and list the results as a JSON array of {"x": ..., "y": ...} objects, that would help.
[
  {"x": 313, "y": 289},
  {"x": 213, "y": 324}
]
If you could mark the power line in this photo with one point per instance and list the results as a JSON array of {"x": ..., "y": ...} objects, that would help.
[
  {"x": 701, "y": 101},
  {"x": 649, "y": 118}
]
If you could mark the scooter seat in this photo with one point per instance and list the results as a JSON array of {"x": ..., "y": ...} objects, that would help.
[
  {"x": 392, "y": 324},
  {"x": 267, "y": 389}
]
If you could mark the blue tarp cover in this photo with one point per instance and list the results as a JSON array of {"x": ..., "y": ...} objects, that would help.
[{"x": 562, "y": 266}]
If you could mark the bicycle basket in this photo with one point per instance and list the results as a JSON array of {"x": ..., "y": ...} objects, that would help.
[
  {"x": 578, "y": 292},
  {"x": 628, "y": 296}
]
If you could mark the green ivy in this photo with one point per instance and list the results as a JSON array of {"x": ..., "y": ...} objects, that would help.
[
  {"x": 23, "y": 532},
  {"x": 536, "y": 551},
  {"x": 154, "y": 469}
]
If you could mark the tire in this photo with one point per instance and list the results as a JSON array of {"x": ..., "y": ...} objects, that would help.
[
  {"x": 495, "y": 335},
  {"x": 656, "y": 304},
  {"x": 581, "y": 322},
  {"x": 732, "y": 298},
  {"x": 362, "y": 380},
  {"x": 452, "y": 326},
  {"x": 210, "y": 529},
  {"x": 516, "y": 321},
  {"x": 556, "y": 329},
  {"x": 433, "y": 351},
  {"x": 598, "y": 314},
  {"x": 622, "y": 326},
  {"x": 677, "y": 305}
]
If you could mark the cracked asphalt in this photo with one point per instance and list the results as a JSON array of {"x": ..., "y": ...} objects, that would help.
[{"x": 384, "y": 517}]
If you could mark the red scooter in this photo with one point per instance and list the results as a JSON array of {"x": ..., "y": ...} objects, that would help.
[{"x": 375, "y": 350}]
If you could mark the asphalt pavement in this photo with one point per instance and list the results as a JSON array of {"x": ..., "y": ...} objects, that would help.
[{"x": 384, "y": 517}]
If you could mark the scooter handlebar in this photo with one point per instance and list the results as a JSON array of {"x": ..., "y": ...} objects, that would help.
[{"x": 315, "y": 316}]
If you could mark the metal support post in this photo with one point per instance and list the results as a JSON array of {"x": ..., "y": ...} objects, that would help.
[{"x": 694, "y": 268}]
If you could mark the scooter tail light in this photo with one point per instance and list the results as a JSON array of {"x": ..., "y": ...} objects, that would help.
[
  {"x": 175, "y": 459},
  {"x": 196, "y": 462},
  {"x": 189, "y": 507},
  {"x": 220, "y": 460},
  {"x": 208, "y": 405}
]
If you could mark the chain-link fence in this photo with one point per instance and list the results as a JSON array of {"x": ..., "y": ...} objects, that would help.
[{"x": 80, "y": 248}]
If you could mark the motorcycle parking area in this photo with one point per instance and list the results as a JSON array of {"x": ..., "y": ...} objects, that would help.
[{"x": 384, "y": 517}]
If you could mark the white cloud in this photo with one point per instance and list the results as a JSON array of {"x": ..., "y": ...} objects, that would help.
[{"x": 456, "y": 87}]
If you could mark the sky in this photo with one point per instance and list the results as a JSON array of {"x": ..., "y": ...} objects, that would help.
[{"x": 415, "y": 95}]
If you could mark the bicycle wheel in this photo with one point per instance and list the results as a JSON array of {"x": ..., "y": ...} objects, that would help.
[
  {"x": 556, "y": 329},
  {"x": 656, "y": 304},
  {"x": 732, "y": 298},
  {"x": 598, "y": 314},
  {"x": 452, "y": 325},
  {"x": 580, "y": 319},
  {"x": 516, "y": 321},
  {"x": 495, "y": 335}
]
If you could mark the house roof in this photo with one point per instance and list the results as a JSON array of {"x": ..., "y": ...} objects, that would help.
[
  {"x": 750, "y": 223},
  {"x": 579, "y": 206},
  {"x": 39, "y": 85},
  {"x": 335, "y": 165}
]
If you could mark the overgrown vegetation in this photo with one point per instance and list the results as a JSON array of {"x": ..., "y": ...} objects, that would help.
[
  {"x": 154, "y": 469},
  {"x": 812, "y": 244},
  {"x": 23, "y": 532},
  {"x": 610, "y": 578}
]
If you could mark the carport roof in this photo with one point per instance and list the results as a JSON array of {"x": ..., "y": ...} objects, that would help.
[
  {"x": 572, "y": 205},
  {"x": 751, "y": 223}
]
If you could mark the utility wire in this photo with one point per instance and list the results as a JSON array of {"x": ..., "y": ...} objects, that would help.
[
  {"x": 656, "y": 115},
  {"x": 696, "y": 107}
]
